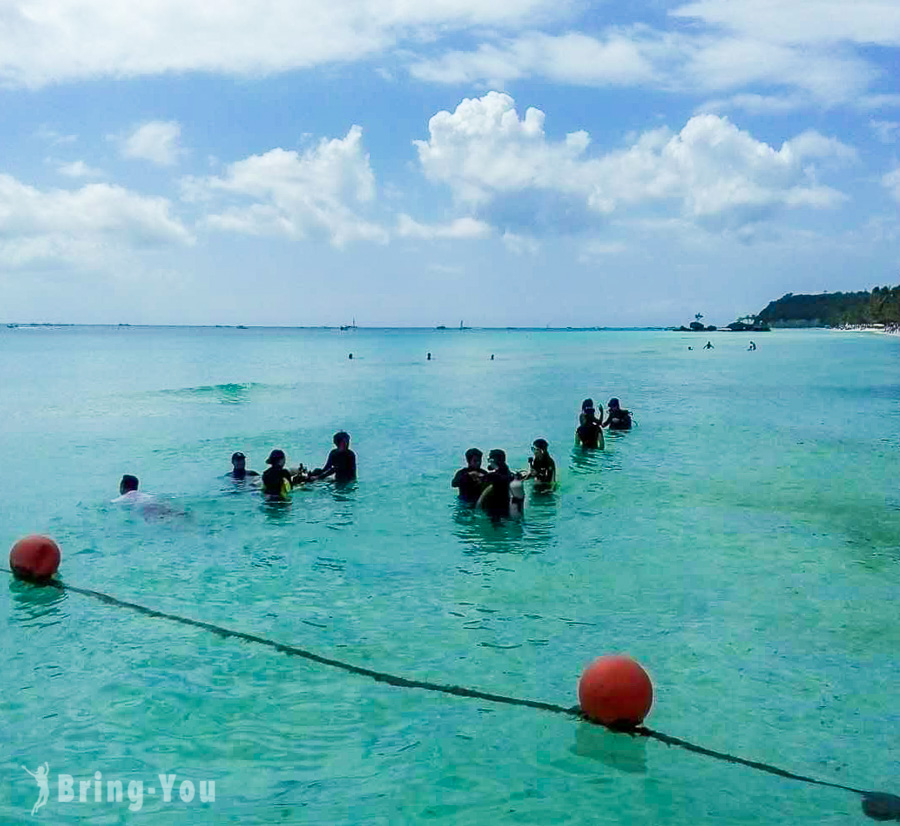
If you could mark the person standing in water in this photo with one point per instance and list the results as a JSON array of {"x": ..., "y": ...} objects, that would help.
[
  {"x": 495, "y": 498},
  {"x": 341, "y": 462},
  {"x": 542, "y": 467},
  {"x": 590, "y": 431},
  {"x": 470, "y": 480},
  {"x": 276, "y": 479},
  {"x": 239, "y": 470},
  {"x": 618, "y": 418}
]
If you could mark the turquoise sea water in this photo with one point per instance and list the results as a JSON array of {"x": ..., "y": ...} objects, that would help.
[{"x": 742, "y": 542}]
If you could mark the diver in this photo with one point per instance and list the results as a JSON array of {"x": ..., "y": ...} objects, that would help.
[
  {"x": 341, "y": 462},
  {"x": 276, "y": 479},
  {"x": 495, "y": 498},
  {"x": 542, "y": 468},
  {"x": 590, "y": 430},
  {"x": 470, "y": 480},
  {"x": 239, "y": 468},
  {"x": 618, "y": 418}
]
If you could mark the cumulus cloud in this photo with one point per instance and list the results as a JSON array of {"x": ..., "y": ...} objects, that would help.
[
  {"x": 321, "y": 191},
  {"x": 156, "y": 141},
  {"x": 459, "y": 229},
  {"x": 718, "y": 174},
  {"x": 47, "y": 41},
  {"x": 79, "y": 225}
]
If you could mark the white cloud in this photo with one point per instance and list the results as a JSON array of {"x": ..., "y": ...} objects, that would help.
[
  {"x": 78, "y": 169},
  {"x": 570, "y": 58},
  {"x": 891, "y": 182},
  {"x": 321, "y": 190},
  {"x": 600, "y": 249},
  {"x": 459, "y": 229},
  {"x": 720, "y": 175},
  {"x": 155, "y": 141},
  {"x": 47, "y": 41},
  {"x": 80, "y": 225},
  {"x": 803, "y": 21},
  {"x": 887, "y": 131},
  {"x": 520, "y": 244}
]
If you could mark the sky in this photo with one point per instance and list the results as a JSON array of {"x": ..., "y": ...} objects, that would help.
[{"x": 413, "y": 163}]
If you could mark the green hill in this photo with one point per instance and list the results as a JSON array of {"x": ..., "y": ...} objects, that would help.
[{"x": 881, "y": 306}]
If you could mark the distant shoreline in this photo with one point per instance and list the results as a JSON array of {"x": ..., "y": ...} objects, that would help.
[{"x": 883, "y": 329}]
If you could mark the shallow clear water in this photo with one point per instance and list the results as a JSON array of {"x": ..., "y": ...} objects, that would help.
[{"x": 742, "y": 542}]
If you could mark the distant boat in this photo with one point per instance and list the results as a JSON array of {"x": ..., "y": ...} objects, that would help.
[
  {"x": 349, "y": 326},
  {"x": 440, "y": 327},
  {"x": 241, "y": 327},
  {"x": 12, "y": 326}
]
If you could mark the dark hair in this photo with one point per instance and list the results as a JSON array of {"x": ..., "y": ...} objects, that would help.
[
  {"x": 472, "y": 452},
  {"x": 613, "y": 403},
  {"x": 587, "y": 403},
  {"x": 275, "y": 456},
  {"x": 498, "y": 454},
  {"x": 541, "y": 443},
  {"x": 341, "y": 436},
  {"x": 236, "y": 456},
  {"x": 129, "y": 482}
]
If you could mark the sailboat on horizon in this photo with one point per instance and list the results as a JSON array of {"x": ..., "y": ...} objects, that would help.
[{"x": 349, "y": 326}]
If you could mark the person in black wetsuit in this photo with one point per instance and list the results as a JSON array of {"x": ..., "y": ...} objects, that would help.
[
  {"x": 618, "y": 418},
  {"x": 341, "y": 462},
  {"x": 470, "y": 479},
  {"x": 542, "y": 467},
  {"x": 239, "y": 470},
  {"x": 276, "y": 479},
  {"x": 590, "y": 431},
  {"x": 495, "y": 496}
]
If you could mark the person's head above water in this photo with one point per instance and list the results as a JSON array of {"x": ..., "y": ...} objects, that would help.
[
  {"x": 541, "y": 445},
  {"x": 587, "y": 404},
  {"x": 341, "y": 438},
  {"x": 497, "y": 458},
  {"x": 473, "y": 457},
  {"x": 613, "y": 404},
  {"x": 276, "y": 457},
  {"x": 238, "y": 460},
  {"x": 128, "y": 483}
]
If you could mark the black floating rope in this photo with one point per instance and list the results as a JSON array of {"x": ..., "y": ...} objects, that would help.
[{"x": 877, "y": 805}]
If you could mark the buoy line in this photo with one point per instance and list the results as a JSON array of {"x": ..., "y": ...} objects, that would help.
[{"x": 881, "y": 806}]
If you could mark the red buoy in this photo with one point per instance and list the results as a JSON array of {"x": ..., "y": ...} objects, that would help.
[
  {"x": 34, "y": 558},
  {"x": 615, "y": 691}
]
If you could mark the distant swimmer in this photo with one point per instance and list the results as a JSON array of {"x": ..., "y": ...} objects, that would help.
[
  {"x": 690, "y": 348},
  {"x": 752, "y": 345},
  {"x": 470, "y": 480},
  {"x": 239, "y": 468},
  {"x": 542, "y": 467},
  {"x": 276, "y": 479},
  {"x": 341, "y": 462},
  {"x": 492, "y": 356},
  {"x": 129, "y": 493},
  {"x": 618, "y": 418},
  {"x": 495, "y": 498},
  {"x": 708, "y": 346},
  {"x": 429, "y": 357},
  {"x": 589, "y": 433}
]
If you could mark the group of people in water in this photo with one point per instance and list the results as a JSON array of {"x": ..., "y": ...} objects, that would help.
[{"x": 498, "y": 490}]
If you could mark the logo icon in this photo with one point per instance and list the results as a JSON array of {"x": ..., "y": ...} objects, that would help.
[{"x": 42, "y": 778}]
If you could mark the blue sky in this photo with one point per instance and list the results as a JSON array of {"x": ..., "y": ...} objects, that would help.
[{"x": 519, "y": 162}]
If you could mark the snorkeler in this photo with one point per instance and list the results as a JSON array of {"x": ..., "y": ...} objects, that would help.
[
  {"x": 341, "y": 462},
  {"x": 276, "y": 479},
  {"x": 470, "y": 480},
  {"x": 239, "y": 467},
  {"x": 542, "y": 467},
  {"x": 495, "y": 498},
  {"x": 590, "y": 432},
  {"x": 618, "y": 418}
]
